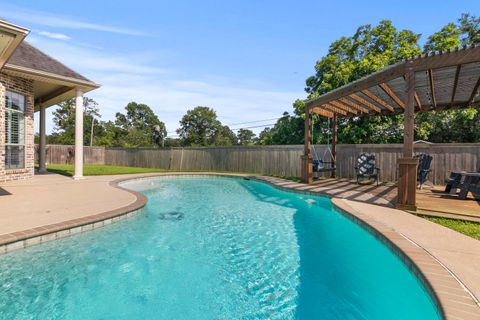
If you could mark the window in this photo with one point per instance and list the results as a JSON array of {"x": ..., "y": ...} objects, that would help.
[{"x": 14, "y": 130}]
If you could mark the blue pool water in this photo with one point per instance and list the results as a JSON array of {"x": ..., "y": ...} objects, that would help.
[{"x": 215, "y": 248}]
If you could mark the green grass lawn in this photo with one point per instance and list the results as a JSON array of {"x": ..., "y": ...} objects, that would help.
[
  {"x": 98, "y": 169},
  {"x": 471, "y": 229}
]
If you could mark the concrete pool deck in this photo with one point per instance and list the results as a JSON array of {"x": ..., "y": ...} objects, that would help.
[{"x": 48, "y": 203}]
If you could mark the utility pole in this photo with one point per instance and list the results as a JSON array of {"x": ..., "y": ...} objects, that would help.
[{"x": 91, "y": 132}]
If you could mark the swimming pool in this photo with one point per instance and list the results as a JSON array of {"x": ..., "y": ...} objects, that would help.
[{"x": 215, "y": 248}]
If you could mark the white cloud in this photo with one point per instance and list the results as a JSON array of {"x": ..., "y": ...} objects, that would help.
[
  {"x": 53, "y": 35},
  {"x": 126, "y": 78},
  {"x": 43, "y": 18}
]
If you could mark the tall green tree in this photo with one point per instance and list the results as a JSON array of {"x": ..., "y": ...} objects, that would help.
[
  {"x": 366, "y": 51},
  {"x": 369, "y": 49},
  {"x": 64, "y": 121},
  {"x": 289, "y": 129},
  {"x": 139, "y": 126},
  {"x": 447, "y": 38},
  {"x": 245, "y": 137},
  {"x": 199, "y": 127},
  {"x": 225, "y": 137}
]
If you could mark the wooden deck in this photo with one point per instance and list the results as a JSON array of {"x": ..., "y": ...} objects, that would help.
[{"x": 430, "y": 200}]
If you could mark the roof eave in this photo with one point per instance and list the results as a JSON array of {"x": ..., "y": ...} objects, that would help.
[
  {"x": 51, "y": 77},
  {"x": 18, "y": 33}
]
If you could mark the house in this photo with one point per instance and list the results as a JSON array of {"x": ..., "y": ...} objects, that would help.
[{"x": 30, "y": 82}]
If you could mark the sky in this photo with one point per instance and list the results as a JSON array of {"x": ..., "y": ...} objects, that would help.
[{"x": 248, "y": 60}]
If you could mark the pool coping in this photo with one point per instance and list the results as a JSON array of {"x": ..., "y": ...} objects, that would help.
[
  {"x": 33, "y": 236},
  {"x": 452, "y": 298}
]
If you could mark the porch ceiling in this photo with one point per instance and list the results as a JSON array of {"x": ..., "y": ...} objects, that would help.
[
  {"x": 50, "y": 89},
  {"x": 442, "y": 81}
]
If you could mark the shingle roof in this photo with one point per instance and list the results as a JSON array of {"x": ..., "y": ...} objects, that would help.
[{"x": 28, "y": 56}]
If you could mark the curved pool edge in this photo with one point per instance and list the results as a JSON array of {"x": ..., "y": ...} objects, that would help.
[
  {"x": 30, "y": 237},
  {"x": 451, "y": 296},
  {"x": 446, "y": 290}
]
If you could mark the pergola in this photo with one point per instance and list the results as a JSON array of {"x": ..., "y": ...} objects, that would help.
[{"x": 431, "y": 82}]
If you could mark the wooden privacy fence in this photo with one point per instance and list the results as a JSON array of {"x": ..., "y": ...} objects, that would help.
[
  {"x": 275, "y": 160},
  {"x": 279, "y": 160},
  {"x": 63, "y": 154}
]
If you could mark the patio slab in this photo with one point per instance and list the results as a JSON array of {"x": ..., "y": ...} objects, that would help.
[
  {"x": 431, "y": 201},
  {"x": 52, "y": 199},
  {"x": 459, "y": 253}
]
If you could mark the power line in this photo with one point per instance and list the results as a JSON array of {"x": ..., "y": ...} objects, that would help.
[
  {"x": 247, "y": 122},
  {"x": 234, "y": 129},
  {"x": 236, "y": 124},
  {"x": 261, "y": 126}
]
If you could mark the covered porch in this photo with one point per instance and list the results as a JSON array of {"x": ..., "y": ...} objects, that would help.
[
  {"x": 32, "y": 81},
  {"x": 53, "y": 83},
  {"x": 432, "y": 82}
]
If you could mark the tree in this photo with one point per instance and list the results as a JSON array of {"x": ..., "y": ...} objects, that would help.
[
  {"x": 447, "y": 38},
  {"x": 368, "y": 50},
  {"x": 245, "y": 137},
  {"x": 225, "y": 137},
  {"x": 64, "y": 120},
  {"x": 348, "y": 59},
  {"x": 200, "y": 127},
  {"x": 451, "y": 125},
  {"x": 265, "y": 136},
  {"x": 470, "y": 27},
  {"x": 139, "y": 127}
]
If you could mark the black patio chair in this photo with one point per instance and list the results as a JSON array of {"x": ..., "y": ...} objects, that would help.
[
  {"x": 455, "y": 181},
  {"x": 424, "y": 163},
  {"x": 366, "y": 168},
  {"x": 471, "y": 184}
]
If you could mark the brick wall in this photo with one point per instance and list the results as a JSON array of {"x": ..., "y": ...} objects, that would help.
[{"x": 24, "y": 87}]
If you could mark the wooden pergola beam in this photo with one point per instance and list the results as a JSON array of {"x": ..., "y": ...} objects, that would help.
[
  {"x": 334, "y": 109},
  {"x": 424, "y": 63},
  {"x": 354, "y": 105},
  {"x": 323, "y": 112},
  {"x": 417, "y": 100},
  {"x": 307, "y": 175},
  {"x": 407, "y": 165},
  {"x": 365, "y": 102},
  {"x": 474, "y": 92},
  {"x": 432, "y": 88},
  {"x": 463, "y": 56},
  {"x": 385, "y": 75},
  {"x": 392, "y": 94},
  {"x": 455, "y": 84},
  {"x": 344, "y": 107},
  {"x": 372, "y": 96}
]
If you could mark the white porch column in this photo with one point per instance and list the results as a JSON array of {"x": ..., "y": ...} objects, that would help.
[
  {"x": 78, "y": 135},
  {"x": 42, "y": 144}
]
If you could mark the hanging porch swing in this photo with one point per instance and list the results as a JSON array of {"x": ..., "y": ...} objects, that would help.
[{"x": 327, "y": 162}]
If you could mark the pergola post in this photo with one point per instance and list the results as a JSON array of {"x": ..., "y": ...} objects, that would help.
[
  {"x": 407, "y": 182},
  {"x": 307, "y": 176},
  {"x": 78, "y": 135},
  {"x": 334, "y": 146},
  {"x": 42, "y": 143}
]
